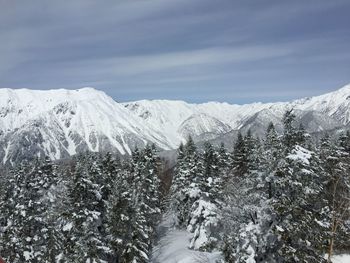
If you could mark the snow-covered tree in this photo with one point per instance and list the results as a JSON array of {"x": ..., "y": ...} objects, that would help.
[
  {"x": 119, "y": 218},
  {"x": 244, "y": 216},
  {"x": 12, "y": 214},
  {"x": 336, "y": 164},
  {"x": 83, "y": 217},
  {"x": 271, "y": 157},
  {"x": 150, "y": 188},
  {"x": 139, "y": 208},
  {"x": 299, "y": 206},
  {"x": 271, "y": 145},
  {"x": 291, "y": 135},
  {"x": 205, "y": 214},
  {"x": 30, "y": 233},
  {"x": 185, "y": 189},
  {"x": 276, "y": 211},
  {"x": 239, "y": 156}
]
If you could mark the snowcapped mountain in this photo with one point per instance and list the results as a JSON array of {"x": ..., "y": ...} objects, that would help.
[
  {"x": 334, "y": 104},
  {"x": 61, "y": 123},
  {"x": 318, "y": 113}
]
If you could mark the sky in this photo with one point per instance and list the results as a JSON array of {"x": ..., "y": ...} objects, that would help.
[{"x": 192, "y": 50}]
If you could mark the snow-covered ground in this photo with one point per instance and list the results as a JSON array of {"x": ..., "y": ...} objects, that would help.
[
  {"x": 341, "y": 258},
  {"x": 172, "y": 246},
  {"x": 344, "y": 258}
]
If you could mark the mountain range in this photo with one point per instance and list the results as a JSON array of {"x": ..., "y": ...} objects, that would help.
[{"x": 60, "y": 123}]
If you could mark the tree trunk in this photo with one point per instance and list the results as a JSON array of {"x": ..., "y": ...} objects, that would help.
[{"x": 331, "y": 241}]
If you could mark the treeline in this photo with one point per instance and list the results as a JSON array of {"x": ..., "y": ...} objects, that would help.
[
  {"x": 96, "y": 209},
  {"x": 281, "y": 199}
]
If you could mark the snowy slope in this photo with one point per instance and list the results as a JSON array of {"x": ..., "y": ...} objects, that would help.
[
  {"x": 334, "y": 104},
  {"x": 172, "y": 246},
  {"x": 317, "y": 114},
  {"x": 60, "y": 123},
  {"x": 341, "y": 258},
  {"x": 171, "y": 114},
  {"x": 345, "y": 258},
  {"x": 163, "y": 115},
  {"x": 202, "y": 127}
]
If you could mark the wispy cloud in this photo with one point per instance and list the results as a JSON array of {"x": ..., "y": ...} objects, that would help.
[
  {"x": 211, "y": 57},
  {"x": 177, "y": 49}
]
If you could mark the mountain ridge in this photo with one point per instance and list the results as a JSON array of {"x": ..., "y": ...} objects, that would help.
[
  {"x": 60, "y": 123},
  {"x": 237, "y": 115}
]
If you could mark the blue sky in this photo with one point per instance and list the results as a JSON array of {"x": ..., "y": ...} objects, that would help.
[{"x": 194, "y": 50}]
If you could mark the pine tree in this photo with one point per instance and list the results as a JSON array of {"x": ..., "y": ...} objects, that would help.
[
  {"x": 32, "y": 235},
  {"x": 253, "y": 151},
  {"x": 344, "y": 142},
  {"x": 209, "y": 177},
  {"x": 244, "y": 216},
  {"x": 224, "y": 161},
  {"x": 336, "y": 163},
  {"x": 276, "y": 211},
  {"x": 120, "y": 218},
  {"x": 290, "y": 134},
  {"x": 298, "y": 202},
  {"x": 204, "y": 216},
  {"x": 179, "y": 180},
  {"x": 110, "y": 168},
  {"x": 272, "y": 149},
  {"x": 12, "y": 213},
  {"x": 84, "y": 215},
  {"x": 272, "y": 144},
  {"x": 185, "y": 189},
  {"x": 223, "y": 157},
  {"x": 326, "y": 150},
  {"x": 134, "y": 209},
  {"x": 239, "y": 156},
  {"x": 301, "y": 135},
  {"x": 142, "y": 206},
  {"x": 151, "y": 184},
  {"x": 52, "y": 193}
]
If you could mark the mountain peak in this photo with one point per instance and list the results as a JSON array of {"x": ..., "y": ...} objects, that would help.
[
  {"x": 345, "y": 88},
  {"x": 87, "y": 90}
]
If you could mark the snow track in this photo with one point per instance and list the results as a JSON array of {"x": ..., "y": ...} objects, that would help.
[{"x": 172, "y": 246}]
